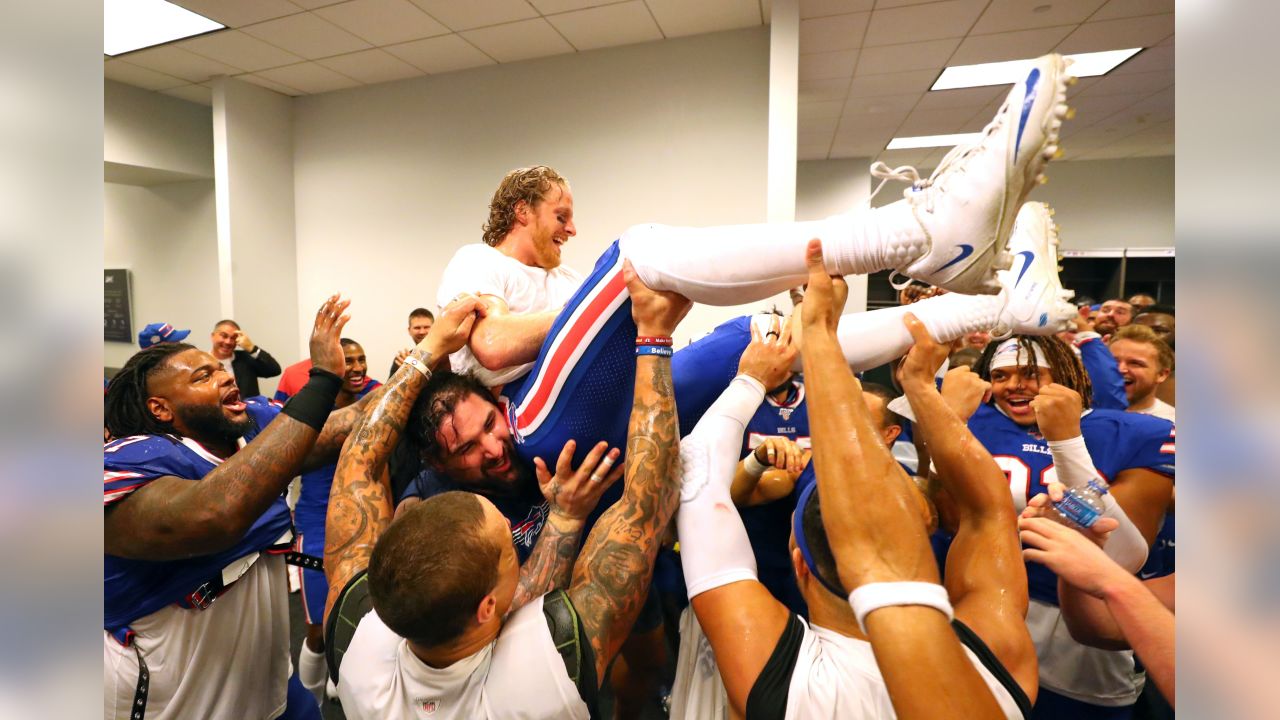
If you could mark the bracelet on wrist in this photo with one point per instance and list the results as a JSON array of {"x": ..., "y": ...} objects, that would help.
[
  {"x": 312, "y": 404},
  {"x": 415, "y": 362},
  {"x": 659, "y": 350},
  {"x": 752, "y": 466},
  {"x": 654, "y": 340}
]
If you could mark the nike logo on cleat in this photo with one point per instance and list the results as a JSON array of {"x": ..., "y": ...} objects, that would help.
[
  {"x": 1030, "y": 256},
  {"x": 965, "y": 251},
  {"x": 1029, "y": 99},
  {"x": 1044, "y": 319}
]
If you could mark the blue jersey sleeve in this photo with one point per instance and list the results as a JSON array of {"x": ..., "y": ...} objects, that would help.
[
  {"x": 1108, "y": 386},
  {"x": 131, "y": 462},
  {"x": 1150, "y": 443}
]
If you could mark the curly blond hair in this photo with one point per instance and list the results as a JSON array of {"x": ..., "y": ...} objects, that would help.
[{"x": 529, "y": 184}]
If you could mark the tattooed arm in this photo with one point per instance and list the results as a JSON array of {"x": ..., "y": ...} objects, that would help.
[
  {"x": 360, "y": 505},
  {"x": 572, "y": 495},
  {"x": 172, "y": 518},
  {"x": 336, "y": 429},
  {"x": 611, "y": 578}
]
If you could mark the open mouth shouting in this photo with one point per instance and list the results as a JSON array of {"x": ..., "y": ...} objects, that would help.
[{"x": 231, "y": 400}]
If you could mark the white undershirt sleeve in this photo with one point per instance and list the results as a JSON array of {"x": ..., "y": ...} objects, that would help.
[{"x": 1075, "y": 469}]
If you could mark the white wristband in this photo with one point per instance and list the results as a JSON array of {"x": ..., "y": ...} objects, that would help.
[
  {"x": 1073, "y": 462},
  {"x": 752, "y": 466},
  {"x": 873, "y": 596}
]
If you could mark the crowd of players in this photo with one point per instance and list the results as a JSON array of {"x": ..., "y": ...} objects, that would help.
[{"x": 545, "y": 497}]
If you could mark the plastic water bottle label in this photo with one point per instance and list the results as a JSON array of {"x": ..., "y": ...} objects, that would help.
[{"x": 1077, "y": 511}]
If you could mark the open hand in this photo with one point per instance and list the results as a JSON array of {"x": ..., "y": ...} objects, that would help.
[
  {"x": 326, "y": 336},
  {"x": 925, "y": 356},
  {"x": 1073, "y": 556},
  {"x": 825, "y": 296},
  {"x": 574, "y": 493},
  {"x": 769, "y": 358},
  {"x": 1041, "y": 506}
]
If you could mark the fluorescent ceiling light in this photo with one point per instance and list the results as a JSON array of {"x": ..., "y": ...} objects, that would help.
[
  {"x": 1007, "y": 73},
  {"x": 925, "y": 141},
  {"x": 135, "y": 24}
]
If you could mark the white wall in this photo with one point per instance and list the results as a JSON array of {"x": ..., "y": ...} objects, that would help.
[
  {"x": 165, "y": 235},
  {"x": 148, "y": 130},
  {"x": 829, "y": 187},
  {"x": 392, "y": 179},
  {"x": 1111, "y": 203}
]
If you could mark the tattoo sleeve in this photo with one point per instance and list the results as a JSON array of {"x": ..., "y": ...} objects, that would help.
[
  {"x": 336, "y": 429},
  {"x": 612, "y": 576},
  {"x": 360, "y": 504},
  {"x": 173, "y": 518},
  {"x": 550, "y": 565}
]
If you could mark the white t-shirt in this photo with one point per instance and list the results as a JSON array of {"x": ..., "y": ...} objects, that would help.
[
  {"x": 1090, "y": 675},
  {"x": 1160, "y": 409},
  {"x": 482, "y": 270},
  {"x": 837, "y": 677},
  {"x": 230, "y": 660},
  {"x": 518, "y": 675}
]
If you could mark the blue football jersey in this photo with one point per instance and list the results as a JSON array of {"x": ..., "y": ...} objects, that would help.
[
  {"x": 1117, "y": 441},
  {"x": 136, "y": 588},
  {"x": 1104, "y": 374},
  {"x": 526, "y": 512},
  {"x": 313, "y": 497}
]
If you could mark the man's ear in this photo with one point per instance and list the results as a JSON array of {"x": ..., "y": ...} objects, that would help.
[
  {"x": 890, "y": 435},
  {"x": 487, "y": 610},
  {"x": 1162, "y": 376},
  {"x": 523, "y": 212},
  {"x": 798, "y": 564},
  {"x": 160, "y": 409}
]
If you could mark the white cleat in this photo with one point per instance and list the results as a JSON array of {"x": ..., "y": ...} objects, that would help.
[
  {"x": 1036, "y": 303},
  {"x": 967, "y": 207}
]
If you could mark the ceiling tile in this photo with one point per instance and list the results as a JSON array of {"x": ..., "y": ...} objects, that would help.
[
  {"x": 819, "y": 125},
  {"x": 1149, "y": 60},
  {"x": 443, "y": 54},
  {"x": 1090, "y": 110},
  {"x": 1008, "y": 15},
  {"x": 309, "y": 78},
  {"x": 519, "y": 40},
  {"x": 1134, "y": 85},
  {"x": 678, "y": 18},
  {"x": 192, "y": 93},
  {"x": 820, "y": 90},
  {"x": 307, "y": 35},
  {"x": 821, "y": 136},
  {"x": 1118, "y": 34},
  {"x": 608, "y": 26},
  {"x": 823, "y": 8},
  {"x": 936, "y": 122},
  {"x": 313, "y": 4},
  {"x": 371, "y": 66},
  {"x": 383, "y": 22},
  {"x": 840, "y": 32},
  {"x": 270, "y": 85},
  {"x": 963, "y": 98},
  {"x": 1009, "y": 46},
  {"x": 180, "y": 63},
  {"x": 900, "y": 104},
  {"x": 828, "y": 65},
  {"x": 903, "y": 83},
  {"x": 236, "y": 48},
  {"x": 917, "y": 23},
  {"x": 867, "y": 145},
  {"x": 819, "y": 110},
  {"x": 234, "y": 13},
  {"x": 885, "y": 4},
  {"x": 551, "y": 7},
  {"x": 917, "y": 157},
  {"x": 929, "y": 55},
  {"x": 138, "y": 76},
  {"x": 811, "y": 152},
  {"x": 1116, "y": 9},
  {"x": 476, "y": 13}
]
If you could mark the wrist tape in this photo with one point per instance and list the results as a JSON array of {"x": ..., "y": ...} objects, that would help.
[
  {"x": 313, "y": 403},
  {"x": 752, "y": 466},
  {"x": 873, "y": 596}
]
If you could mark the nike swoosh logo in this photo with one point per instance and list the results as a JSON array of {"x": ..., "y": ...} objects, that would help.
[
  {"x": 1029, "y": 99},
  {"x": 965, "y": 251},
  {"x": 1029, "y": 256}
]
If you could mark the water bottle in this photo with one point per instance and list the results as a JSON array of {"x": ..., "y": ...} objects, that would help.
[{"x": 1082, "y": 506}]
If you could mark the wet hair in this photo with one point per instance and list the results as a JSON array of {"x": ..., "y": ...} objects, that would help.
[
  {"x": 1157, "y": 309},
  {"x": 437, "y": 401},
  {"x": 966, "y": 357},
  {"x": 1147, "y": 336},
  {"x": 432, "y": 567},
  {"x": 421, "y": 312},
  {"x": 529, "y": 185},
  {"x": 884, "y": 393},
  {"x": 125, "y": 410},
  {"x": 1065, "y": 366},
  {"x": 228, "y": 321},
  {"x": 815, "y": 535}
]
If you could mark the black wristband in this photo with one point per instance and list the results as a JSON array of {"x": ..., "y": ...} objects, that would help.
[{"x": 313, "y": 403}]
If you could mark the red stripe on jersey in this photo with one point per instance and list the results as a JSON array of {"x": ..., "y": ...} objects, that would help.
[
  {"x": 113, "y": 475},
  {"x": 568, "y": 343},
  {"x": 1167, "y": 448}
]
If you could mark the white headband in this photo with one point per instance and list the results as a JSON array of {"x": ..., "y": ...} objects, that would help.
[{"x": 1010, "y": 354}]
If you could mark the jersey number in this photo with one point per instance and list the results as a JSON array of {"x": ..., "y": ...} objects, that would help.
[{"x": 1019, "y": 475}]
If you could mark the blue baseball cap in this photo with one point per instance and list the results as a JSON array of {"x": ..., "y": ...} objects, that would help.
[{"x": 157, "y": 333}]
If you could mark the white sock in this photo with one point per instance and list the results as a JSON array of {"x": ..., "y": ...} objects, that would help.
[
  {"x": 871, "y": 339},
  {"x": 735, "y": 264},
  {"x": 313, "y": 671}
]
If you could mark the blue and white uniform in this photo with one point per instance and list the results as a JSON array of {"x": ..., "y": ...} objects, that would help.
[
  {"x": 308, "y": 518},
  {"x": 1075, "y": 681},
  {"x": 213, "y": 630}
]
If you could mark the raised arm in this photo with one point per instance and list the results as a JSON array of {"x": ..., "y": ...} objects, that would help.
[
  {"x": 503, "y": 339},
  {"x": 611, "y": 578},
  {"x": 172, "y": 518},
  {"x": 360, "y": 504}
]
